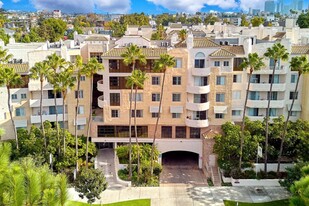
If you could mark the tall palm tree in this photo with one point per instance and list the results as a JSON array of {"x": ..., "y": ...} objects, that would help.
[
  {"x": 182, "y": 34},
  {"x": 301, "y": 65},
  {"x": 77, "y": 67},
  {"x": 137, "y": 79},
  {"x": 161, "y": 65},
  {"x": 64, "y": 81},
  {"x": 254, "y": 63},
  {"x": 9, "y": 78},
  {"x": 55, "y": 62},
  {"x": 130, "y": 57},
  {"x": 91, "y": 68},
  {"x": 277, "y": 52},
  {"x": 40, "y": 71}
]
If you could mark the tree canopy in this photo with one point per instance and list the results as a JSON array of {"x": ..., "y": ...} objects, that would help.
[{"x": 303, "y": 20}]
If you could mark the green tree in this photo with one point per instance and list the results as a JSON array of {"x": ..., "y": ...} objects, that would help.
[
  {"x": 161, "y": 65},
  {"x": 254, "y": 63},
  {"x": 136, "y": 80},
  {"x": 182, "y": 34},
  {"x": 301, "y": 65},
  {"x": 41, "y": 71},
  {"x": 64, "y": 81},
  {"x": 130, "y": 57},
  {"x": 244, "y": 21},
  {"x": 257, "y": 21},
  {"x": 211, "y": 19},
  {"x": 52, "y": 29},
  {"x": 4, "y": 36},
  {"x": 303, "y": 20},
  {"x": 194, "y": 20},
  {"x": 10, "y": 79},
  {"x": 159, "y": 34},
  {"x": 300, "y": 195},
  {"x": 91, "y": 68},
  {"x": 90, "y": 183},
  {"x": 277, "y": 53},
  {"x": 118, "y": 29},
  {"x": 134, "y": 19}
]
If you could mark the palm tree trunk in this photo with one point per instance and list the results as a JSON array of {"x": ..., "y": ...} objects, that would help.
[
  {"x": 89, "y": 121},
  {"x": 286, "y": 125},
  {"x": 130, "y": 129},
  {"x": 267, "y": 117},
  {"x": 136, "y": 139},
  {"x": 156, "y": 128},
  {"x": 243, "y": 121},
  {"x": 41, "y": 115},
  {"x": 63, "y": 129},
  {"x": 76, "y": 114},
  {"x": 57, "y": 126},
  {"x": 11, "y": 116}
]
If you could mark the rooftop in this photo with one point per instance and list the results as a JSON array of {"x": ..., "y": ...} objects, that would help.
[{"x": 148, "y": 52}]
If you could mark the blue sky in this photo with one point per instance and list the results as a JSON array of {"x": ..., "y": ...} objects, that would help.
[{"x": 131, "y": 6}]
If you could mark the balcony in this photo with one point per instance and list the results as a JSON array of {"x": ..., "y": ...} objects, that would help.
[
  {"x": 197, "y": 123},
  {"x": 263, "y": 103},
  {"x": 268, "y": 70},
  {"x": 45, "y": 102},
  {"x": 101, "y": 101},
  {"x": 198, "y": 89},
  {"x": 100, "y": 86},
  {"x": 35, "y": 119},
  {"x": 260, "y": 118},
  {"x": 202, "y": 72},
  {"x": 265, "y": 87},
  {"x": 36, "y": 86},
  {"x": 197, "y": 106}
]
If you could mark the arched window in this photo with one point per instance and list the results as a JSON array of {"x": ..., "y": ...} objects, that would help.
[{"x": 199, "y": 61}]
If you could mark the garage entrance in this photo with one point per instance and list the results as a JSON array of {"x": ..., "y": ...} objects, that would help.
[{"x": 180, "y": 159}]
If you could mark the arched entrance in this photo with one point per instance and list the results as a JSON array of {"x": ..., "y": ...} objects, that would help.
[{"x": 181, "y": 159}]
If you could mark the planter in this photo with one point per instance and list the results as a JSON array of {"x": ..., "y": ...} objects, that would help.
[
  {"x": 256, "y": 182},
  {"x": 225, "y": 179}
]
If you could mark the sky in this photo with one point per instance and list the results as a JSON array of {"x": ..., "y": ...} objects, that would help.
[{"x": 132, "y": 6}]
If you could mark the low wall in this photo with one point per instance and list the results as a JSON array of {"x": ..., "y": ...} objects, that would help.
[
  {"x": 119, "y": 167},
  {"x": 271, "y": 167},
  {"x": 255, "y": 182}
]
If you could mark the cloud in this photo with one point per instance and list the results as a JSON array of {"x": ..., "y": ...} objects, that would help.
[
  {"x": 1, "y": 4},
  {"x": 193, "y": 6},
  {"x": 16, "y": 1},
  {"x": 254, "y": 4},
  {"x": 83, "y": 6}
]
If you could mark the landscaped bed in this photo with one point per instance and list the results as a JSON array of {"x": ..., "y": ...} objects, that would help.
[
  {"x": 273, "y": 203},
  {"x": 142, "y": 202}
]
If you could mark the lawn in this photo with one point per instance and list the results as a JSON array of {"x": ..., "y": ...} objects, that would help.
[
  {"x": 142, "y": 202},
  {"x": 274, "y": 203}
]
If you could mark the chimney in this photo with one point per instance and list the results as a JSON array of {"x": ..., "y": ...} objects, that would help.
[
  {"x": 248, "y": 46},
  {"x": 190, "y": 41}
]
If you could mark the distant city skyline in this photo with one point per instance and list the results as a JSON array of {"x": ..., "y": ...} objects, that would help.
[{"x": 146, "y": 6}]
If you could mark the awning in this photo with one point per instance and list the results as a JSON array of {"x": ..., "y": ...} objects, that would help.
[
  {"x": 296, "y": 107},
  {"x": 220, "y": 109},
  {"x": 80, "y": 121},
  {"x": 176, "y": 109},
  {"x": 20, "y": 123},
  {"x": 154, "y": 109}
]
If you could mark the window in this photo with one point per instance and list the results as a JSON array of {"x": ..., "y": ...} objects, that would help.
[
  {"x": 253, "y": 112},
  {"x": 178, "y": 63},
  {"x": 154, "y": 114},
  {"x": 219, "y": 116},
  {"x": 176, "y": 115},
  {"x": 81, "y": 110},
  {"x": 293, "y": 94},
  {"x": 200, "y": 98},
  {"x": 254, "y": 95},
  {"x": 220, "y": 97},
  {"x": 255, "y": 78},
  {"x": 52, "y": 110},
  {"x": 115, "y": 113},
  {"x": 200, "y": 81},
  {"x": 14, "y": 96},
  {"x": 51, "y": 94},
  {"x": 80, "y": 127},
  {"x": 181, "y": 132},
  {"x": 199, "y": 61},
  {"x": 176, "y": 80},
  {"x": 271, "y": 63},
  {"x": 195, "y": 133},
  {"x": 80, "y": 94},
  {"x": 294, "y": 113},
  {"x": 114, "y": 99},
  {"x": 226, "y": 63},
  {"x": 139, "y": 97},
  {"x": 274, "y": 96},
  {"x": 176, "y": 97},
  {"x": 139, "y": 113},
  {"x": 166, "y": 132},
  {"x": 294, "y": 78},
  {"x": 82, "y": 78},
  {"x": 217, "y": 63},
  {"x": 199, "y": 115},
  {"x": 220, "y": 80},
  {"x": 114, "y": 81},
  {"x": 155, "y": 97},
  {"x": 236, "y": 112},
  {"x": 155, "y": 80},
  {"x": 23, "y": 96},
  {"x": 237, "y": 78},
  {"x": 97, "y": 55},
  {"x": 20, "y": 111},
  {"x": 272, "y": 112},
  {"x": 276, "y": 79},
  {"x": 236, "y": 95}
]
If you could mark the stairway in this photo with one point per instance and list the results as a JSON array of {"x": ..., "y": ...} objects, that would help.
[{"x": 216, "y": 176}]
